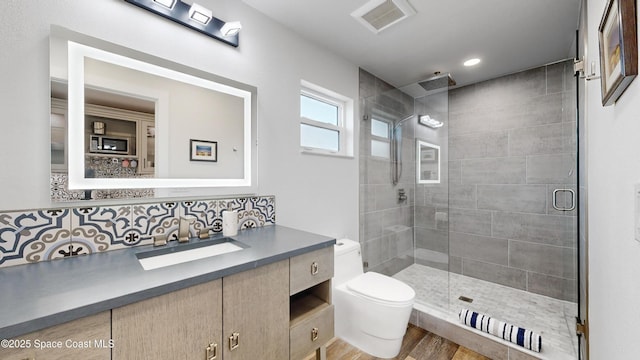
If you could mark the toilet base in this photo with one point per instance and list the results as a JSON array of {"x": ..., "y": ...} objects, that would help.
[
  {"x": 375, "y": 346},
  {"x": 373, "y": 327}
]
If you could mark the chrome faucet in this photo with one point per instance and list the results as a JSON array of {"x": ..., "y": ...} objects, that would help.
[{"x": 183, "y": 229}]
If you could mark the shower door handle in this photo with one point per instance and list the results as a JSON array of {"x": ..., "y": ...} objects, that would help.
[{"x": 572, "y": 196}]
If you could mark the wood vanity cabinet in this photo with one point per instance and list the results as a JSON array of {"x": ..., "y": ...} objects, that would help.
[
  {"x": 277, "y": 311},
  {"x": 311, "y": 312},
  {"x": 83, "y": 339},
  {"x": 255, "y": 308},
  {"x": 242, "y": 316},
  {"x": 178, "y": 325}
]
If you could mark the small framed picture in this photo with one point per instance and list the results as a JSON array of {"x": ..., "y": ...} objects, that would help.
[
  {"x": 202, "y": 150},
  {"x": 618, "y": 49}
]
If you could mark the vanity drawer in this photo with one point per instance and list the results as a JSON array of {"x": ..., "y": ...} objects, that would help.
[
  {"x": 309, "y": 269},
  {"x": 311, "y": 333}
]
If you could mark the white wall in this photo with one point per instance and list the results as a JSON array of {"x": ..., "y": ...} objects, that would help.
[
  {"x": 613, "y": 147},
  {"x": 313, "y": 193}
]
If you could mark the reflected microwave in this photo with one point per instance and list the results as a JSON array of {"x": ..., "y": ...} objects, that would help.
[{"x": 108, "y": 145}]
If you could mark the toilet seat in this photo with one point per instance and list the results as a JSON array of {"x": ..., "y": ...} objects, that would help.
[{"x": 382, "y": 289}]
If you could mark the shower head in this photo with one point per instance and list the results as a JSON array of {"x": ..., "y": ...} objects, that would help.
[
  {"x": 402, "y": 121},
  {"x": 437, "y": 82}
]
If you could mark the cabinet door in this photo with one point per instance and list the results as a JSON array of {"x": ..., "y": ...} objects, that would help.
[
  {"x": 256, "y": 307},
  {"x": 178, "y": 325},
  {"x": 147, "y": 147},
  {"x": 82, "y": 339}
]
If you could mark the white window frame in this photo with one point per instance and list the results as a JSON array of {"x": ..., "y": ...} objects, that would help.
[
  {"x": 345, "y": 119},
  {"x": 379, "y": 138}
]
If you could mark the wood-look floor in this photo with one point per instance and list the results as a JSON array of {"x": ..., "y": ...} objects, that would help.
[{"x": 418, "y": 344}]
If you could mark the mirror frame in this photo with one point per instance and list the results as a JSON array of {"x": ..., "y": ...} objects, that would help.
[
  {"x": 80, "y": 46},
  {"x": 419, "y": 144}
]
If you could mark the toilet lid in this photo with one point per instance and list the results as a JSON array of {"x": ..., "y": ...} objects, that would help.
[{"x": 382, "y": 288}]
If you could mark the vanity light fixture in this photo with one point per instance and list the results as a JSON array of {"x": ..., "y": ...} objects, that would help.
[
  {"x": 200, "y": 14},
  {"x": 166, "y": 3},
  {"x": 231, "y": 28},
  {"x": 195, "y": 17}
]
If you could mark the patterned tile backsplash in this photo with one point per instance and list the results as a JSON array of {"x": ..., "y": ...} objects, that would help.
[
  {"x": 60, "y": 191},
  {"x": 48, "y": 234}
]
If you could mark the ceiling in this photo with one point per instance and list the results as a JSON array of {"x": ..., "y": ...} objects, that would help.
[{"x": 508, "y": 35}]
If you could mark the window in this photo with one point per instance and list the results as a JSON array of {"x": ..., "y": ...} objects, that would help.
[
  {"x": 380, "y": 138},
  {"x": 326, "y": 121}
]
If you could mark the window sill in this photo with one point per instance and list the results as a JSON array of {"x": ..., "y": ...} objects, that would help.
[{"x": 324, "y": 153}]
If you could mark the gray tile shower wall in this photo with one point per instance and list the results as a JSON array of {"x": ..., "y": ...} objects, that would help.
[
  {"x": 512, "y": 142},
  {"x": 432, "y": 219},
  {"x": 394, "y": 233},
  {"x": 48, "y": 234},
  {"x": 386, "y": 233}
]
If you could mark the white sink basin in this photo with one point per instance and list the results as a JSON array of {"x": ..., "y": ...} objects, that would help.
[{"x": 160, "y": 258}]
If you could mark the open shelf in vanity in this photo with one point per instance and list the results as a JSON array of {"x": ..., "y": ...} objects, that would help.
[{"x": 311, "y": 314}]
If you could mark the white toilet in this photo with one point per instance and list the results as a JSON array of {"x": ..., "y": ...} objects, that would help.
[{"x": 371, "y": 310}]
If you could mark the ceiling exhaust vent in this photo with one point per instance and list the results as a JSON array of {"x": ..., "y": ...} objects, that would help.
[{"x": 377, "y": 15}]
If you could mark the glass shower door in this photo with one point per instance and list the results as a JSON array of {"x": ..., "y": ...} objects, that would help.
[
  {"x": 582, "y": 235},
  {"x": 432, "y": 177},
  {"x": 386, "y": 206}
]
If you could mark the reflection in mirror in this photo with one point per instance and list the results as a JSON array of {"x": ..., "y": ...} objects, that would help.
[
  {"x": 427, "y": 163},
  {"x": 121, "y": 119}
]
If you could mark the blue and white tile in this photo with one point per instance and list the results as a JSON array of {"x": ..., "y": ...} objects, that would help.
[
  {"x": 252, "y": 212},
  {"x": 79, "y": 246},
  {"x": 149, "y": 220},
  {"x": 33, "y": 236},
  {"x": 206, "y": 212},
  {"x": 60, "y": 189},
  {"x": 46, "y": 234},
  {"x": 102, "y": 228}
]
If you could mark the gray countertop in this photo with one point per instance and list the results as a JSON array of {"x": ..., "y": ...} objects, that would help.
[{"x": 36, "y": 296}]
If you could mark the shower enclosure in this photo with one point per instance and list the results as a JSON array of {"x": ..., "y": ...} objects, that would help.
[{"x": 468, "y": 195}]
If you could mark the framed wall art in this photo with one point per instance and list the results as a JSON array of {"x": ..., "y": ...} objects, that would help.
[
  {"x": 202, "y": 150},
  {"x": 618, "y": 49}
]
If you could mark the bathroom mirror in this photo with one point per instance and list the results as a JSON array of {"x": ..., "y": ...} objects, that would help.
[
  {"x": 427, "y": 163},
  {"x": 131, "y": 120}
]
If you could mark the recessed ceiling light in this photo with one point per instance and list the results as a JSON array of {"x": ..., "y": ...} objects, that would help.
[{"x": 472, "y": 62}]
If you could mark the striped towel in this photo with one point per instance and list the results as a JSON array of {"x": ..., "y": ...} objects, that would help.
[{"x": 517, "y": 335}]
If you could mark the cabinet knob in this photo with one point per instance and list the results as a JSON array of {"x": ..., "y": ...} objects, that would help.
[
  {"x": 314, "y": 334},
  {"x": 234, "y": 341},
  {"x": 314, "y": 268},
  {"x": 212, "y": 351}
]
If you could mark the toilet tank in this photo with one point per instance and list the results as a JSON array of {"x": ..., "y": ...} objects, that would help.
[{"x": 347, "y": 261}]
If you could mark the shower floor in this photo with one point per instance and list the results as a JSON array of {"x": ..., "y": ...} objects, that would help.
[{"x": 553, "y": 319}]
